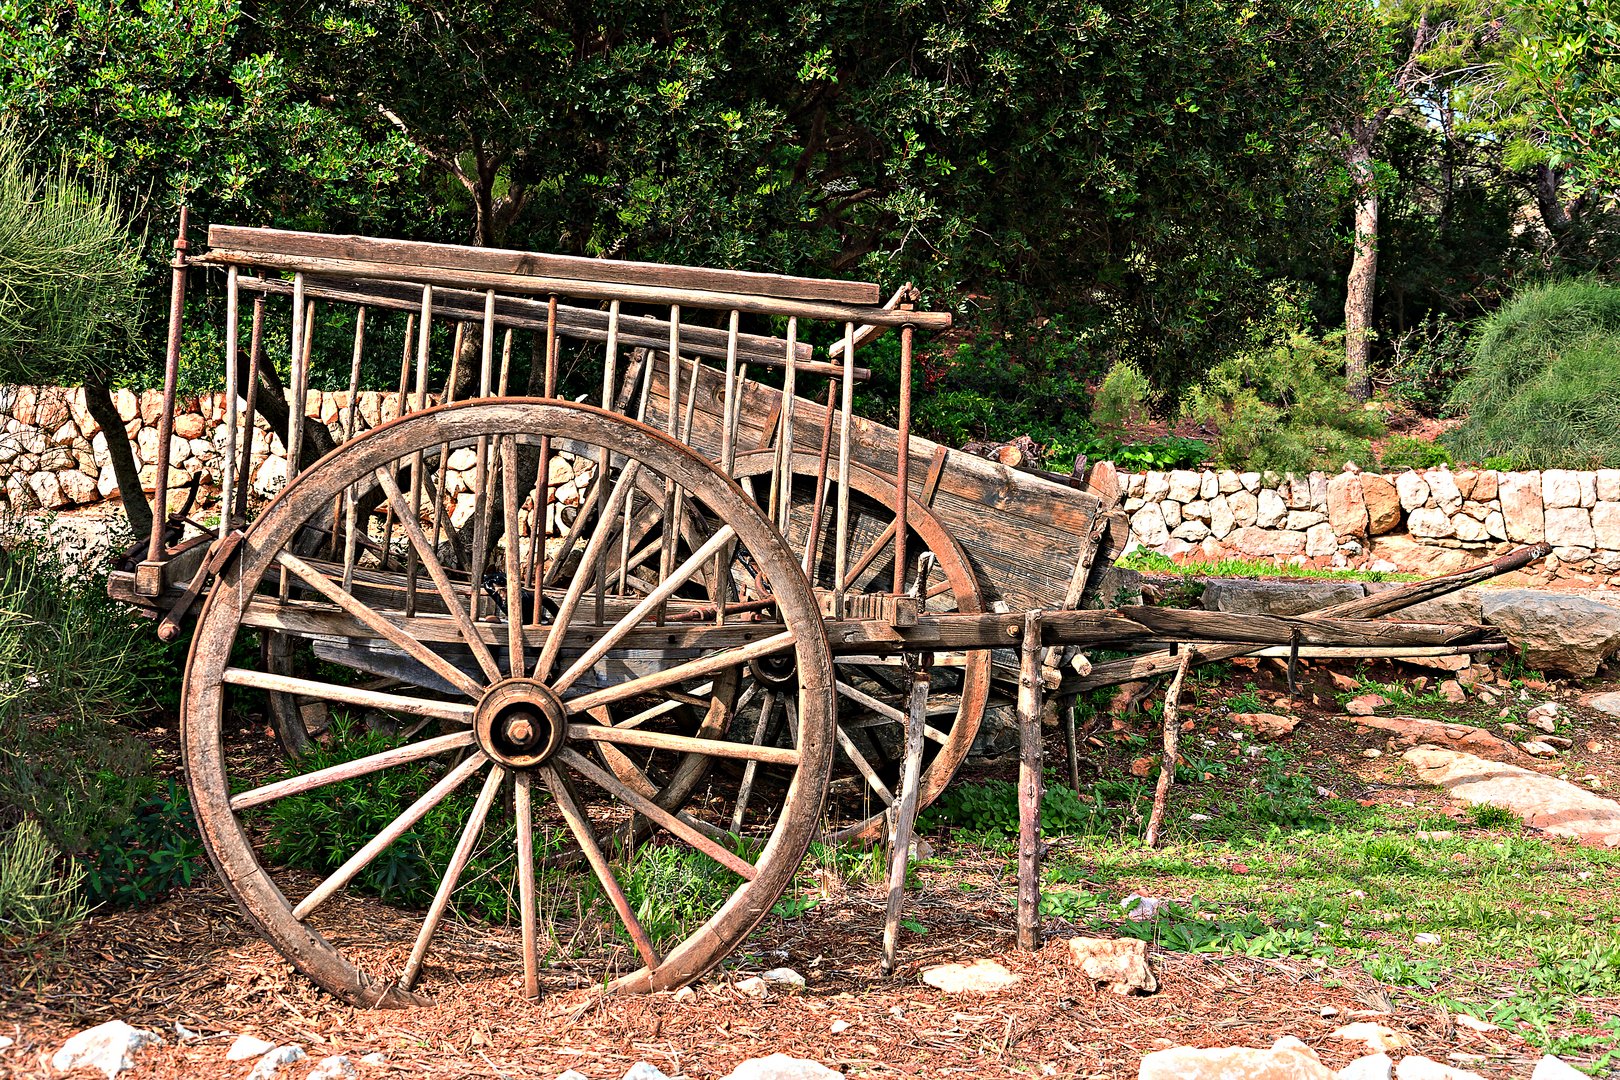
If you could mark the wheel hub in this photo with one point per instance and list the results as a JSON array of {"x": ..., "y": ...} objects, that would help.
[{"x": 520, "y": 723}]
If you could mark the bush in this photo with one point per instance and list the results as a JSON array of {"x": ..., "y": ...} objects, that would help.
[
  {"x": 39, "y": 893},
  {"x": 73, "y": 664},
  {"x": 1408, "y": 452},
  {"x": 1281, "y": 404},
  {"x": 1544, "y": 391},
  {"x": 1122, "y": 399},
  {"x": 1428, "y": 362}
]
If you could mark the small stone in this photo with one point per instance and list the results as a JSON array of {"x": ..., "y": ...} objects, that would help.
[
  {"x": 247, "y": 1046},
  {"x": 840, "y": 1026},
  {"x": 1538, "y": 748},
  {"x": 1453, "y": 692},
  {"x": 336, "y": 1067},
  {"x": 1552, "y": 1068},
  {"x": 782, "y": 1067},
  {"x": 110, "y": 1047},
  {"x": 1474, "y": 1023},
  {"x": 572, "y": 1075},
  {"x": 979, "y": 977},
  {"x": 1421, "y": 1068},
  {"x": 754, "y": 987},
  {"x": 1607, "y": 704},
  {"x": 1375, "y": 1037},
  {"x": 641, "y": 1070},
  {"x": 181, "y": 1033},
  {"x": 1122, "y": 963},
  {"x": 685, "y": 994},
  {"x": 6, "y": 1042},
  {"x": 1544, "y": 716},
  {"x": 1371, "y": 753},
  {"x": 784, "y": 979},
  {"x": 1365, "y": 705},
  {"x": 1426, "y": 939},
  {"x": 1139, "y": 908},
  {"x": 272, "y": 1062},
  {"x": 1371, "y": 1067},
  {"x": 377, "y": 1057},
  {"x": 1288, "y": 1060},
  {"x": 1267, "y": 725}
]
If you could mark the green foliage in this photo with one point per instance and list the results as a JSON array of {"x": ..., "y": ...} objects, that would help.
[
  {"x": 1195, "y": 929},
  {"x": 1544, "y": 391},
  {"x": 39, "y": 889},
  {"x": 1122, "y": 399},
  {"x": 1568, "y": 66},
  {"x": 1410, "y": 452},
  {"x": 1167, "y": 452},
  {"x": 990, "y": 809},
  {"x": 674, "y": 889},
  {"x": 1427, "y": 361},
  {"x": 1280, "y": 404},
  {"x": 70, "y": 274},
  {"x": 1486, "y": 815},
  {"x": 73, "y": 667},
  {"x": 1152, "y": 562}
]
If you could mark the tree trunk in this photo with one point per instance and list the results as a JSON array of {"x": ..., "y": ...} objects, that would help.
[
  {"x": 98, "y": 399},
  {"x": 1360, "y": 285}
]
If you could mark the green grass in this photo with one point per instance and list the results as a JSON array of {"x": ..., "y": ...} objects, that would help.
[{"x": 1151, "y": 562}]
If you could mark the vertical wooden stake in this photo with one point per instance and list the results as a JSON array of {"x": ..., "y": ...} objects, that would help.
[
  {"x": 1172, "y": 735},
  {"x": 905, "y": 812},
  {"x": 1030, "y": 689},
  {"x": 1065, "y": 708}
]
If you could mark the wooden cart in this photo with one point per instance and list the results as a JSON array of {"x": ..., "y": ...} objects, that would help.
[{"x": 620, "y": 647}]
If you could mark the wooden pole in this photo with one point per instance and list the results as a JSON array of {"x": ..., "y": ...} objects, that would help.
[
  {"x": 1167, "y": 766},
  {"x": 1030, "y": 689},
  {"x": 905, "y": 813}
]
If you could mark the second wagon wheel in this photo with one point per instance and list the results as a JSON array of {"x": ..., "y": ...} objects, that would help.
[
  {"x": 872, "y": 689},
  {"x": 493, "y": 811}
]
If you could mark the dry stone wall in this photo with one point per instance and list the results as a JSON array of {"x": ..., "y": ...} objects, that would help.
[
  {"x": 1337, "y": 520},
  {"x": 53, "y": 456}
]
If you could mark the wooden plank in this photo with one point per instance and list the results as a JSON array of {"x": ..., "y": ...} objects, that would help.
[
  {"x": 1020, "y": 532},
  {"x": 525, "y": 313},
  {"x": 413, "y": 253},
  {"x": 580, "y": 289}
]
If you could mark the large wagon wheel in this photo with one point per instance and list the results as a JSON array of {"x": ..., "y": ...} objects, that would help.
[
  {"x": 872, "y": 690},
  {"x": 513, "y": 708}
]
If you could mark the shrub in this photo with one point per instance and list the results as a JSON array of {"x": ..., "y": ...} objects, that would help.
[
  {"x": 1428, "y": 361},
  {"x": 39, "y": 890},
  {"x": 73, "y": 664},
  {"x": 1281, "y": 404},
  {"x": 1122, "y": 399},
  {"x": 1409, "y": 452},
  {"x": 1544, "y": 391}
]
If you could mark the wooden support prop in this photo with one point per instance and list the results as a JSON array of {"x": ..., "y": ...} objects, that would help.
[
  {"x": 904, "y": 813},
  {"x": 1378, "y": 604},
  {"x": 1030, "y": 690},
  {"x": 1167, "y": 764}
]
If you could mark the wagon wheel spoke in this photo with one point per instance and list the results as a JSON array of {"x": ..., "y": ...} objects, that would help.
[
  {"x": 514, "y": 563},
  {"x": 376, "y": 621},
  {"x": 580, "y": 825},
  {"x": 441, "y": 580},
  {"x": 393, "y": 831},
  {"x": 351, "y": 770},
  {"x": 524, "y": 810},
  {"x": 665, "y": 589},
  {"x": 348, "y": 695},
  {"x": 684, "y": 744},
  {"x": 452, "y": 874},
  {"x": 707, "y": 665}
]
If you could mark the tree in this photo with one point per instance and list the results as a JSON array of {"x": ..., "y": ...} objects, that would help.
[
  {"x": 70, "y": 281},
  {"x": 1133, "y": 164},
  {"x": 176, "y": 103}
]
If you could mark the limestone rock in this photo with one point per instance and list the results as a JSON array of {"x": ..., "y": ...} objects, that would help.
[
  {"x": 1430, "y": 522},
  {"x": 1365, "y": 705},
  {"x": 1468, "y": 530},
  {"x": 1147, "y": 525},
  {"x": 1183, "y": 486},
  {"x": 1371, "y": 1067},
  {"x": 1544, "y": 802},
  {"x": 1268, "y": 542},
  {"x": 1569, "y": 526},
  {"x": 1422, "y": 1068},
  {"x": 1443, "y": 490},
  {"x": 1555, "y": 632},
  {"x": 642, "y": 1070},
  {"x": 1607, "y": 704},
  {"x": 1288, "y": 1060},
  {"x": 248, "y": 1046},
  {"x": 1606, "y": 525},
  {"x": 1300, "y": 520},
  {"x": 1245, "y": 508},
  {"x": 336, "y": 1067},
  {"x": 1522, "y": 509},
  {"x": 1320, "y": 540},
  {"x": 1347, "y": 507},
  {"x": 1171, "y": 510},
  {"x": 1267, "y": 725},
  {"x": 110, "y": 1047},
  {"x": 1122, "y": 963},
  {"x": 1562, "y": 488},
  {"x": 273, "y": 1061},
  {"x": 782, "y": 1067},
  {"x": 979, "y": 977},
  {"x": 784, "y": 979},
  {"x": 1155, "y": 485},
  {"x": 1277, "y": 597},
  {"x": 1413, "y": 490},
  {"x": 1415, "y": 731},
  {"x": 1221, "y": 518},
  {"x": 1383, "y": 503},
  {"x": 1272, "y": 510},
  {"x": 1551, "y": 1068}
]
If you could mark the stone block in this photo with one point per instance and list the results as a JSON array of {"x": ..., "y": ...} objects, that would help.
[
  {"x": 1320, "y": 540},
  {"x": 1183, "y": 485},
  {"x": 1443, "y": 490},
  {"x": 1147, "y": 526},
  {"x": 1171, "y": 509},
  {"x": 1245, "y": 508},
  {"x": 1569, "y": 526},
  {"x": 1272, "y": 510},
  {"x": 1606, "y": 525},
  {"x": 1522, "y": 513},
  {"x": 1563, "y": 488},
  {"x": 1430, "y": 522},
  {"x": 1301, "y": 520},
  {"x": 1607, "y": 482},
  {"x": 1228, "y": 481},
  {"x": 1268, "y": 542},
  {"x": 1346, "y": 506},
  {"x": 1413, "y": 490},
  {"x": 1221, "y": 519},
  {"x": 1155, "y": 486},
  {"x": 1383, "y": 503}
]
